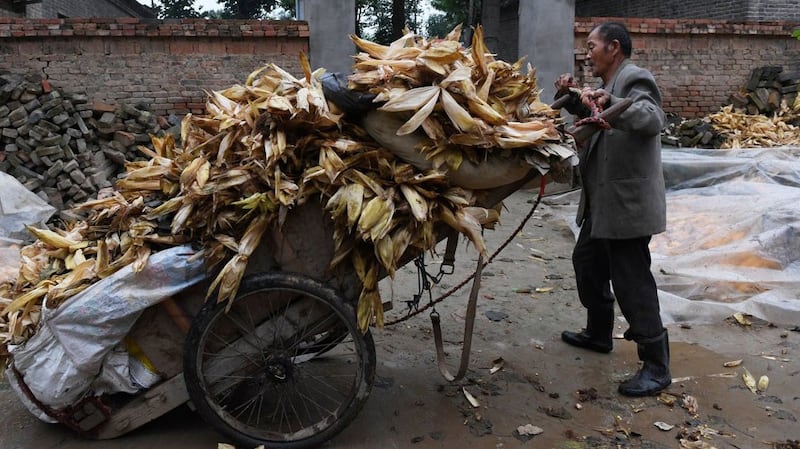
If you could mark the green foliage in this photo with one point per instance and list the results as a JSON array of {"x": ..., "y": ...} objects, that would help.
[
  {"x": 796, "y": 33},
  {"x": 439, "y": 25},
  {"x": 177, "y": 9},
  {"x": 252, "y": 9},
  {"x": 374, "y": 18},
  {"x": 230, "y": 9},
  {"x": 452, "y": 13}
]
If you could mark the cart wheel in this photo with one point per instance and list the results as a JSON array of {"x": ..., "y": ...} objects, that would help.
[{"x": 285, "y": 367}]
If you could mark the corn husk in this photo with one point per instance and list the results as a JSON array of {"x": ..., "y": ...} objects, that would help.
[
  {"x": 763, "y": 384},
  {"x": 756, "y": 131},
  {"x": 749, "y": 381},
  {"x": 469, "y": 104}
]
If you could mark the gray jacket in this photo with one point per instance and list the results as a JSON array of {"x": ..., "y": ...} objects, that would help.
[{"x": 621, "y": 173}]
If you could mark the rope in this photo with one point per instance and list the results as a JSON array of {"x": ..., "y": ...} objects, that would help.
[
  {"x": 594, "y": 118},
  {"x": 488, "y": 261}
]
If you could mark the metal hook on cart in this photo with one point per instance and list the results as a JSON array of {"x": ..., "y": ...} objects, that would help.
[
  {"x": 425, "y": 280},
  {"x": 423, "y": 284}
]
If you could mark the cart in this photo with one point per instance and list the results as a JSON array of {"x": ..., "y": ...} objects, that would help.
[{"x": 284, "y": 364}]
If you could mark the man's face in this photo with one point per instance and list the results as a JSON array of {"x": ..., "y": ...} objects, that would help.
[{"x": 599, "y": 56}]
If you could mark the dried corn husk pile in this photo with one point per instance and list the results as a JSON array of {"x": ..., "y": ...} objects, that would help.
[
  {"x": 270, "y": 145},
  {"x": 755, "y": 131},
  {"x": 467, "y": 103}
]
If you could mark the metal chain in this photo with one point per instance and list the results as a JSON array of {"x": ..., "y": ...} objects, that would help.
[{"x": 448, "y": 293}]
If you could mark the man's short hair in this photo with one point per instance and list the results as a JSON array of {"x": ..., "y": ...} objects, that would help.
[{"x": 610, "y": 31}]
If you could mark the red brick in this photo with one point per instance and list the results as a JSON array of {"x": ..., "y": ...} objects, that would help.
[{"x": 104, "y": 107}]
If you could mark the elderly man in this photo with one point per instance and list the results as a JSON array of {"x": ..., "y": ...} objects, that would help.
[{"x": 622, "y": 205}]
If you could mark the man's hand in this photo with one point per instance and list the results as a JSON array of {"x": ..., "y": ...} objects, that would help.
[
  {"x": 596, "y": 96},
  {"x": 563, "y": 83}
]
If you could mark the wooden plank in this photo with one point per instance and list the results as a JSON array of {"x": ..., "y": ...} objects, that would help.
[
  {"x": 789, "y": 88},
  {"x": 759, "y": 98},
  {"x": 146, "y": 407},
  {"x": 789, "y": 78},
  {"x": 774, "y": 99},
  {"x": 755, "y": 78}
]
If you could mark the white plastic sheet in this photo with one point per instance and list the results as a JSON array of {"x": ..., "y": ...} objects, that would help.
[
  {"x": 19, "y": 207},
  {"x": 77, "y": 349},
  {"x": 733, "y": 218}
]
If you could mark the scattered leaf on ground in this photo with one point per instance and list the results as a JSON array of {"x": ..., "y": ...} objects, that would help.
[
  {"x": 749, "y": 381},
  {"x": 663, "y": 426},
  {"x": 497, "y": 365},
  {"x": 667, "y": 399},
  {"x": 742, "y": 319},
  {"x": 690, "y": 404},
  {"x": 470, "y": 398},
  {"x": 529, "y": 429},
  {"x": 763, "y": 383}
]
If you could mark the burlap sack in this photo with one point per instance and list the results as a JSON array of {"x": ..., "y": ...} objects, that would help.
[{"x": 493, "y": 172}]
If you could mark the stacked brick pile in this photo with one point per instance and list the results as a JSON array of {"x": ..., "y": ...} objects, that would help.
[
  {"x": 692, "y": 133},
  {"x": 765, "y": 90},
  {"x": 61, "y": 146}
]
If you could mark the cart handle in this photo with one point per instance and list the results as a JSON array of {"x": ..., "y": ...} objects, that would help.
[
  {"x": 469, "y": 321},
  {"x": 469, "y": 324}
]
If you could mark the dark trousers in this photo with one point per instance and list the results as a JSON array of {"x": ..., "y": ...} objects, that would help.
[{"x": 625, "y": 264}]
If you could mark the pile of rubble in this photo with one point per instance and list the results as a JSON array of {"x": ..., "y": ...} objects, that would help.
[{"x": 61, "y": 146}]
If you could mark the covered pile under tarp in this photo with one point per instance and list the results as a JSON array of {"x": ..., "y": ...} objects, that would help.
[{"x": 732, "y": 242}]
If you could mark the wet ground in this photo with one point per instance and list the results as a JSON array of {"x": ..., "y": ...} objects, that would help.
[{"x": 527, "y": 299}]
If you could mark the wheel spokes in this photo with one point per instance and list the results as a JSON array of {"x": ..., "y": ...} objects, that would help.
[{"x": 267, "y": 372}]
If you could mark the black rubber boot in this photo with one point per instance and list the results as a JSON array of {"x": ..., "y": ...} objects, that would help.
[
  {"x": 654, "y": 374},
  {"x": 597, "y": 335}
]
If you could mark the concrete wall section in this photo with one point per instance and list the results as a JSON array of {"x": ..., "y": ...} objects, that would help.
[
  {"x": 330, "y": 22},
  {"x": 546, "y": 37}
]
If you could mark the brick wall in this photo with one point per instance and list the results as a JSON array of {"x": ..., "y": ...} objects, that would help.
[
  {"x": 760, "y": 10},
  {"x": 698, "y": 64},
  {"x": 169, "y": 64},
  {"x": 164, "y": 64}
]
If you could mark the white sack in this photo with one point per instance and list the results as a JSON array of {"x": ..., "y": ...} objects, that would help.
[
  {"x": 494, "y": 172},
  {"x": 77, "y": 350}
]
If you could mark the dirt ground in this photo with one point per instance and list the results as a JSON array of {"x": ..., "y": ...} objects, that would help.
[{"x": 527, "y": 298}]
